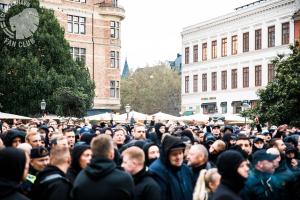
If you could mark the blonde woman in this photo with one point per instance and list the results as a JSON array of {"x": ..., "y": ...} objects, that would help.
[{"x": 207, "y": 183}]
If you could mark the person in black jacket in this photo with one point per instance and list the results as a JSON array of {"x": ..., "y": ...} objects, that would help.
[
  {"x": 101, "y": 179},
  {"x": 51, "y": 183},
  {"x": 145, "y": 186},
  {"x": 14, "y": 166},
  {"x": 233, "y": 169}
]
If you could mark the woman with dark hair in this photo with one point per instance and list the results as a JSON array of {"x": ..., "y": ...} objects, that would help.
[
  {"x": 81, "y": 157},
  {"x": 14, "y": 165}
]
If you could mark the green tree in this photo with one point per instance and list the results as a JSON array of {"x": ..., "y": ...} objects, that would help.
[
  {"x": 280, "y": 100},
  {"x": 152, "y": 89},
  {"x": 43, "y": 71}
]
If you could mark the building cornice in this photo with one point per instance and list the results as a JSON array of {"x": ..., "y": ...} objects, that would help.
[{"x": 238, "y": 15}]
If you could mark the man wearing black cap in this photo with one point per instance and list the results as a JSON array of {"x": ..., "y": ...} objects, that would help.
[
  {"x": 216, "y": 131},
  {"x": 172, "y": 175},
  {"x": 39, "y": 159},
  {"x": 260, "y": 184}
]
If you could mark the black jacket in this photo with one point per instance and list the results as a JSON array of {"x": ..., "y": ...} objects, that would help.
[
  {"x": 102, "y": 180},
  {"x": 145, "y": 186},
  {"x": 9, "y": 190},
  {"x": 51, "y": 184},
  {"x": 224, "y": 192}
]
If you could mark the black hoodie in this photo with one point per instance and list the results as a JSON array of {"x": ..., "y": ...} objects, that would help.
[
  {"x": 12, "y": 165},
  {"x": 11, "y": 135},
  {"x": 231, "y": 181},
  {"x": 102, "y": 180},
  {"x": 51, "y": 184}
]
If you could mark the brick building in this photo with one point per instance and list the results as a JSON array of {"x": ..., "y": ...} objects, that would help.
[{"x": 92, "y": 28}]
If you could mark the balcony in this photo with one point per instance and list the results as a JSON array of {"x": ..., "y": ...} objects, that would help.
[{"x": 111, "y": 9}]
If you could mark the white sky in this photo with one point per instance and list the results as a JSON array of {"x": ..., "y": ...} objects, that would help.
[{"x": 151, "y": 31}]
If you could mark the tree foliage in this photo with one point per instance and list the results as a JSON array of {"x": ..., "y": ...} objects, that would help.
[
  {"x": 152, "y": 89},
  {"x": 44, "y": 70},
  {"x": 280, "y": 100}
]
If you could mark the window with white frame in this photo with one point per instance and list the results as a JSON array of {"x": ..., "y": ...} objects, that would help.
[
  {"x": 78, "y": 54},
  {"x": 3, "y": 7},
  {"x": 115, "y": 59},
  {"x": 115, "y": 29},
  {"x": 80, "y": 1},
  {"x": 114, "y": 89},
  {"x": 76, "y": 24}
]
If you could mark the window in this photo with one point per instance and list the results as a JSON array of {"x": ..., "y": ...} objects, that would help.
[
  {"x": 271, "y": 73},
  {"x": 214, "y": 81},
  {"x": 214, "y": 49},
  {"x": 114, "y": 59},
  {"x": 195, "y": 53},
  {"x": 76, "y": 24},
  {"x": 246, "y": 42},
  {"x": 224, "y": 47},
  {"x": 114, "y": 89},
  {"x": 204, "y": 51},
  {"x": 257, "y": 39},
  {"x": 234, "y": 78},
  {"x": 224, "y": 80},
  {"x": 81, "y": 1},
  {"x": 115, "y": 29},
  {"x": 204, "y": 82},
  {"x": 258, "y": 75},
  {"x": 3, "y": 7},
  {"x": 271, "y": 36},
  {"x": 78, "y": 54},
  {"x": 209, "y": 108},
  {"x": 234, "y": 45},
  {"x": 186, "y": 86},
  {"x": 115, "y": 3},
  {"x": 223, "y": 107},
  {"x": 187, "y": 55},
  {"x": 285, "y": 33},
  {"x": 246, "y": 77},
  {"x": 195, "y": 83}
]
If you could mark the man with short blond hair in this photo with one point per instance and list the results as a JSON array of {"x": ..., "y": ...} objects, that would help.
[
  {"x": 101, "y": 179},
  {"x": 134, "y": 163},
  {"x": 33, "y": 138},
  {"x": 139, "y": 132},
  {"x": 51, "y": 183}
]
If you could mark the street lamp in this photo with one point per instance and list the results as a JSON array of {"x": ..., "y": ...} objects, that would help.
[
  {"x": 127, "y": 109},
  {"x": 245, "y": 106},
  {"x": 43, "y": 106}
]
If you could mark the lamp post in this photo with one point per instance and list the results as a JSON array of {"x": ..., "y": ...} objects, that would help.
[
  {"x": 43, "y": 106},
  {"x": 245, "y": 106},
  {"x": 127, "y": 109}
]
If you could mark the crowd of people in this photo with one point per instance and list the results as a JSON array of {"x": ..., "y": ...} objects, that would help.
[{"x": 50, "y": 160}]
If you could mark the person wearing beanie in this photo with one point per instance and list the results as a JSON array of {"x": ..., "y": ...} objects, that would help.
[
  {"x": 233, "y": 169},
  {"x": 13, "y": 169},
  {"x": 170, "y": 172},
  {"x": 39, "y": 159},
  {"x": 81, "y": 157}
]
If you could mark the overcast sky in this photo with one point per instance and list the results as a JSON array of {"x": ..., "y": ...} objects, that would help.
[{"x": 151, "y": 31}]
